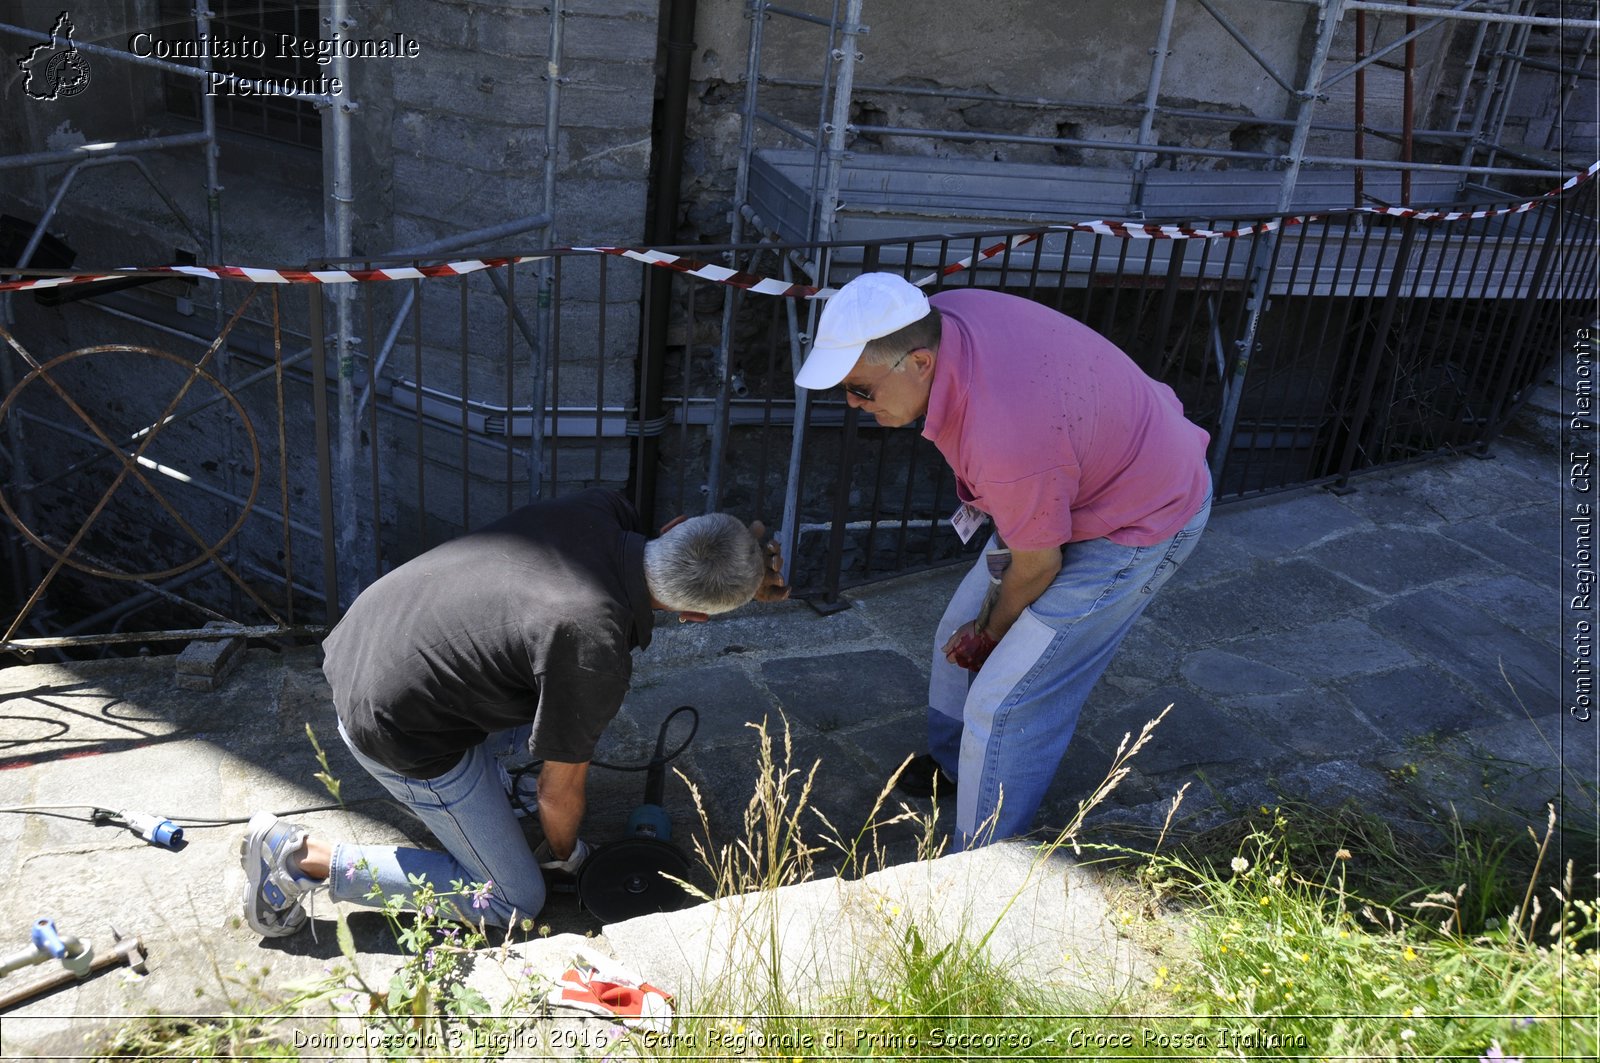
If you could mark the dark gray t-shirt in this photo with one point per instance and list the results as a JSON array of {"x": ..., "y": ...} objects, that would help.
[{"x": 531, "y": 619}]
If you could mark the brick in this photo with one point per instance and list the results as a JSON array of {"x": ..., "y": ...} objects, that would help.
[
  {"x": 460, "y": 196},
  {"x": 474, "y": 84},
  {"x": 604, "y": 98},
  {"x": 205, "y": 663},
  {"x": 600, "y": 211},
  {"x": 615, "y": 39},
  {"x": 487, "y": 147},
  {"x": 433, "y": 22},
  {"x": 641, "y": 9}
]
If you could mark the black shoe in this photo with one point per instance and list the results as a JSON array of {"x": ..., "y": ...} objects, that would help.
[{"x": 917, "y": 780}]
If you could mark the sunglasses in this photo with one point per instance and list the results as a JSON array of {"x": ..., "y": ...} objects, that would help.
[{"x": 865, "y": 394}]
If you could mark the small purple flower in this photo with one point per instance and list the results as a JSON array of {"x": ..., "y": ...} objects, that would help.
[
  {"x": 1524, "y": 1022},
  {"x": 349, "y": 872},
  {"x": 429, "y": 959},
  {"x": 480, "y": 896},
  {"x": 1495, "y": 1055}
]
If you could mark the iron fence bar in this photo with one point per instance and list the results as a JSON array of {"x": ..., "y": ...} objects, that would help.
[
  {"x": 466, "y": 389},
  {"x": 684, "y": 465},
  {"x": 283, "y": 462},
  {"x": 768, "y": 388},
  {"x": 554, "y": 354},
  {"x": 421, "y": 441},
  {"x": 1291, "y": 354},
  {"x": 1179, "y": 353},
  {"x": 1258, "y": 291},
  {"x": 183, "y": 635},
  {"x": 319, "y": 406},
  {"x": 1169, "y": 299},
  {"x": 790, "y": 521},
  {"x": 1375, "y": 357},
  {"x": 1314, "y": 407},
  {"x": 847, "y": 444},
  {"x": 722, "y": 370},
  {"x": 600, "y": 369},
  {"x": 1519, "y": 337},
  {"x": 1504, "y": 304},
  {"x": 509, "y": 294},
  {"x": 1116, "y": 285},
  {"x": 373, "y": 448},
  {"x": 1478, "y": 303},
  {"x": 1342, "y": 376},
  {"x": 1438, "y": 354}
]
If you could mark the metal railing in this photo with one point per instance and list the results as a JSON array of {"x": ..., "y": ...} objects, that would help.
[{"x": 1348, "y": 343}]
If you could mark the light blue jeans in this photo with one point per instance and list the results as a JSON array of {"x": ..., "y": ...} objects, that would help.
[
  {"x": 1003, "y": 732},
  {"x": 468, "y": 810}
]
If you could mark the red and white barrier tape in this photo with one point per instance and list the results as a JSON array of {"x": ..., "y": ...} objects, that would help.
[{"x": 754, "y": 282}]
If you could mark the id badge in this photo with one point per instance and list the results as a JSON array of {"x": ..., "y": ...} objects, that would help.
[{"x": 966, "y": 520}]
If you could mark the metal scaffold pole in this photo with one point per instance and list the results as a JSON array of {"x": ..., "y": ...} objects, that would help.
[{"x": 1327, "y": 15}]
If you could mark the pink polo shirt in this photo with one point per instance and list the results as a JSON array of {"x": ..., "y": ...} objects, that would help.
[{"x": 1054, "y": 432}]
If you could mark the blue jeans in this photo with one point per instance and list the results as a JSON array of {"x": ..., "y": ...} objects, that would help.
[
  {"x": 468, "y": 810},
  {"x": 1003, "y": 732}
]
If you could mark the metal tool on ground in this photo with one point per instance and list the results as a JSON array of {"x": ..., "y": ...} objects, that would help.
[
  {"x": 633, "y": 875},
  {"x": 77, "y": 959}
]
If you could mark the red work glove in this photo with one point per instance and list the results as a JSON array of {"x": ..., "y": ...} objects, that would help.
[{"x": 970, "y": 646}]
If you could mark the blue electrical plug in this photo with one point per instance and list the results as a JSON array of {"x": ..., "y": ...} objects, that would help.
[{"x": 157, "y": 830}]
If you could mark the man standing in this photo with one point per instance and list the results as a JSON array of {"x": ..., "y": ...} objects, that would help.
[
  {"x": 1098, "y": 489},
  {"x": 515, "y": 638}
]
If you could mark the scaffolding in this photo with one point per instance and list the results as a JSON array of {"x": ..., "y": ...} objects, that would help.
[
  {"x": 787, "y": 193},
  {"x": 334, "y": 345},
  {"x": 1505, "y": 34}
]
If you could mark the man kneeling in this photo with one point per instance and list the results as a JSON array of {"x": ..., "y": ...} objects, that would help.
[{"x": 517, "y": 638}]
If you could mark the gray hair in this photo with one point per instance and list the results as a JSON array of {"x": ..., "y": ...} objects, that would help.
[
  {"x": 923, "y": 332},
  {"x": 708, "y": 564}
]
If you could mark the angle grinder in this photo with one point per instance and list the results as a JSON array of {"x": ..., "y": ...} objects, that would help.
[{"x": 629, "y": 877}]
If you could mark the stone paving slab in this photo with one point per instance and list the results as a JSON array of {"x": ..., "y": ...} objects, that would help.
[
  {"x": 1330, "y": 650},
  {"x": 1412, "y": 701},
  {"x": 1286, "y": 677},
  {"x": 829, "y": 691},
  {"x": 1287, "y": 595},
  {"x": 1389, "y": 564},
  {"x": 1477, "y": 646},
  {"x": 1500, "y": 549}
]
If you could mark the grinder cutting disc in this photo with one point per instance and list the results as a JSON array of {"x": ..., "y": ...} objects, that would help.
[{"x": 623, "y": 879}]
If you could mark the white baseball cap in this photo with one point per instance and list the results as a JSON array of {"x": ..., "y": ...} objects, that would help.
[{"x": 869, "y": 307}]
